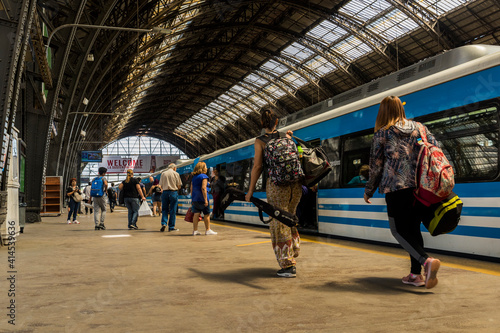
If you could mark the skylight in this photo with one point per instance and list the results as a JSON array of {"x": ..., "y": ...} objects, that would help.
[{"x": 299, "y": 65}]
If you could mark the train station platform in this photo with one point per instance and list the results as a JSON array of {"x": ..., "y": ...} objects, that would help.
[{"x": 71, "y": 278}]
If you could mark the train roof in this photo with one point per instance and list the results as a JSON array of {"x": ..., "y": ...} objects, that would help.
[{"x": 421, "y": 69}]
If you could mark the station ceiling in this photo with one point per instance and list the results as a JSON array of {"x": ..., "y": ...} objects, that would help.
[{"x": 200, "y": 83}]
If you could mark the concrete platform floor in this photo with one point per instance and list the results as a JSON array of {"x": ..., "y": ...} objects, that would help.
[{"x": 70, "y": 278}]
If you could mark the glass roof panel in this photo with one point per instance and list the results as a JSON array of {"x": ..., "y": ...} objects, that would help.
[
  {"x": 257, "y": 100},
  {"x": 393, "y": 25},
  {"x": 298, "y": 51},
  {"x": 255, "y": 79},
  {"x": 327, "y": 31},
  {"x": 274, "y": 90},
  {"x": 364, "y": 9},
  {"x": 227, "y": 98},
  {"x": 275, "y": 67},
  {"x": 245, "y": 109},
  {"x": 440, "y": 7},
  {"x": 295, "y": 79},
  {"x": 240, "y": 90},
  {"x": 320, "y": 65},
  {"x": 353, "y": 48}
]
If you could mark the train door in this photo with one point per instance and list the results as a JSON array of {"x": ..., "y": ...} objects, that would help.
[
  {"x": 222, "y": 173},
  {"x": 307, "y": 210},
  {"x": 355, "y": 159}
]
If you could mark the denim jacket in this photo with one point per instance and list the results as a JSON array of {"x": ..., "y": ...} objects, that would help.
[{"x": 393, "y": 157}]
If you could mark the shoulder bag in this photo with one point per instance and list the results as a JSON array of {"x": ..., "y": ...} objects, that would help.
[{"x": 314, "y": 161}]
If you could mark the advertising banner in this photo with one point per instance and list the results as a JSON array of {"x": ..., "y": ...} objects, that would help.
[{"x": 138, "y": 163}]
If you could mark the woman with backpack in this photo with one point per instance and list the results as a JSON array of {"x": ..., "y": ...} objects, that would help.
[
  {"x": 283, "y": 188},
  {"x": 393, "y": 164},
  {"x": 155, "y": 192}
]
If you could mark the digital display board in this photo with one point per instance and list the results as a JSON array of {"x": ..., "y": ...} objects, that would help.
[{"x": 91, "y": 156}]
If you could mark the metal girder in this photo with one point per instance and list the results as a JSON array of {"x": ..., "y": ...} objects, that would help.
[
  {"x": 40, "y": 52},
  {"x": 422, "y": 17},
  {"x": 83, "y": 60},
  {"x": 268, "y": 75},
  {"x": 14, "y": 51},
  {"x": 93, "y": 38}
]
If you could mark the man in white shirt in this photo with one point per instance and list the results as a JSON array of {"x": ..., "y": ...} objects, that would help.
[{"x": 170, "y": 182}]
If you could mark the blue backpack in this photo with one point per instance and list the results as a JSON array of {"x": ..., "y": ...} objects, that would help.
[{"x": 97, "y": 187}]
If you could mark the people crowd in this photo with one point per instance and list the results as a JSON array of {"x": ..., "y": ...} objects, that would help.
[{"x": 391, "y": 169}]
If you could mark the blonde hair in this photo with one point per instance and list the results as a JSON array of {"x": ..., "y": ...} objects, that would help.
[
  {"x": 198, "y": 169},
  {"x": 391, "y": 111},
  {"x": 130, "y": 174}
]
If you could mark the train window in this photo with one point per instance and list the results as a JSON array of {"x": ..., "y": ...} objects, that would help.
[
  {"x": 332, "y": 149},
  {"x": 355, "y": 159},
  {"x": 470, "y": 141},
  {"x": 186, "y": 183},
  {"x": 230, "y": 175},
  {"x": 242, "y": 171}
]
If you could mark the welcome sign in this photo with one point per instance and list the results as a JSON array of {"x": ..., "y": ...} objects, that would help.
[{"x": 138, "y": 163}]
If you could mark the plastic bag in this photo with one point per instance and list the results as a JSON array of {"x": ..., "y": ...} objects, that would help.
[{"x": 144, "y": 210}]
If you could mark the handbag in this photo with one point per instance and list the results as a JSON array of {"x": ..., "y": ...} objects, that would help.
[
  {"x": 189, "y": 216},
  {"x": 314, "y": 161},
  {"x": 77, "y": 197},
  {"x": 144, "y": 210}
]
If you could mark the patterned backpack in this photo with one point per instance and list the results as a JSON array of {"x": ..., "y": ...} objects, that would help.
[
  {"x": 434, "y": 177},
  {"x": 282, "y": 159}
]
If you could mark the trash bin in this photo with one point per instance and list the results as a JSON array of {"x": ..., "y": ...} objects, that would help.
[{"x": 22, "y": 216}]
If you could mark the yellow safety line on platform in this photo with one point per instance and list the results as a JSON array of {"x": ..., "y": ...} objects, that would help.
[
  {"x": 255, "y": 243},
  {"x": 467, "y": 268}
]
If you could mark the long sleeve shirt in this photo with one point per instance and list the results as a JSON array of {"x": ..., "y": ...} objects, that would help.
[{"x": 393, "y": 157}]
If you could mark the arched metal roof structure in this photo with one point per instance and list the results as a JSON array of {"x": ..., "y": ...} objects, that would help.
[{"x": 200, "y": 87}]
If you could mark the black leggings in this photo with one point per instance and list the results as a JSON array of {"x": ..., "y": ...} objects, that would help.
[{"x": 405, "y": 226}]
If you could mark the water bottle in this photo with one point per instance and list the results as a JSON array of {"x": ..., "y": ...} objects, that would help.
[{"x": 300, "y": 151}]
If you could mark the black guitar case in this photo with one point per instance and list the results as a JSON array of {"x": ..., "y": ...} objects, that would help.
[{"x": 279, "y": 214}]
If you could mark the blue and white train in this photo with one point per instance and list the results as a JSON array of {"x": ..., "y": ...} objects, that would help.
[{"x": 455, "y": 94}]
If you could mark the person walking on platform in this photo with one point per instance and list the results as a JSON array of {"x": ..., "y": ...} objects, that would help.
[
  {"x": 393, "y": 163},
  {"x": 199, "y": 198},
  {"x": 131, "y": 194},
  {"x": 155, "y": 192},
  {"x": 112, "y": 197},
  {"x": 285, "y": 240},
  {"x": 73, "y": 205},
  {"x": 88, "y": 198},
  {"x": 217, "y": 190},
  {"x": 98, "y": 194},
  {"x": 170, "y": 182}
]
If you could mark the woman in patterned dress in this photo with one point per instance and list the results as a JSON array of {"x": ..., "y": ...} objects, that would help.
[
  {"x": 393, "y": 163},
  {"x": 285, "y": 240}
]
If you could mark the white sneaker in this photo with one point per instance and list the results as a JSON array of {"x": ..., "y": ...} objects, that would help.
[
  {"x": 196, "y": 233},
  {"x": 76, "y": 222},
  {"x": 69, "y": 222},
  {"x": 210, "y": 232}
]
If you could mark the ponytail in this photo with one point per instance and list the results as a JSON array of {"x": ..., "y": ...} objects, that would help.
[
  {"x": 268, "y": 118},
  {"x": 130, "y": 174}
]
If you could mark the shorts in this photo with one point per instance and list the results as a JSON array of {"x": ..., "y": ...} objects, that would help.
[
  {"x": 156, "y": 197},
  {"x": 199, "y": 207}
]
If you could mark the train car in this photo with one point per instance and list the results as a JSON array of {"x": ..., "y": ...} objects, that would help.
[{"x": 455, "y": 94}]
